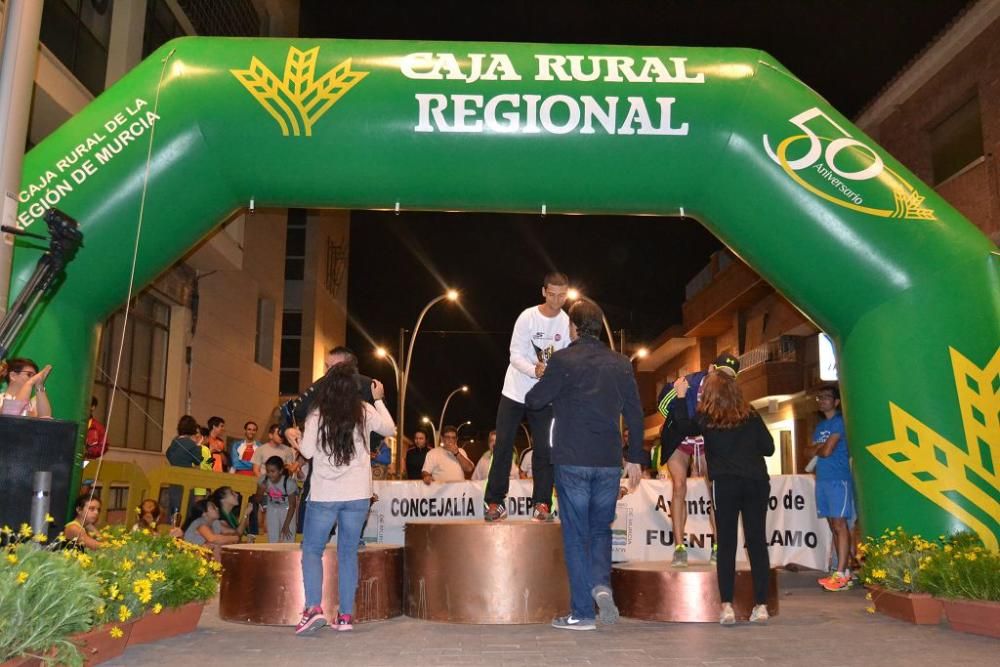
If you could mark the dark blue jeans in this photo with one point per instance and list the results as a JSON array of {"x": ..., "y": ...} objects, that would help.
[{"x": 587, "y": 499}]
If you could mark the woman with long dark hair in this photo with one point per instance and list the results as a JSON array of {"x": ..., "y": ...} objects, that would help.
[
  {"x": 736, "y": 442},
  {"x": 335, "y": 436}
]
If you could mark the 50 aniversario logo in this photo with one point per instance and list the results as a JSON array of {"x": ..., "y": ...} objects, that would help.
[{"x": 833, "y": 165}]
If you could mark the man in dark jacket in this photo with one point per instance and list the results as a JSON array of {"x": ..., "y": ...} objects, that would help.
[{"x": 589, "y": 387}]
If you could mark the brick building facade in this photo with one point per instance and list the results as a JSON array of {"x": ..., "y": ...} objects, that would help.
[{"x": 940, "y": 116}]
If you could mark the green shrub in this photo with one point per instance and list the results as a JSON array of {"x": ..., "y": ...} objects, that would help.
[
  {"x": 963, "y": 568},
  {"x": 893, "y": 559},
  {"x": 143, "y": 571},
  {"x": 45, "y": 596}
]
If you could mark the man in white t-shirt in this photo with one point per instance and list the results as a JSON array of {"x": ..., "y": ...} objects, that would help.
[
  {"x": 482, "y": 470},
  {"x": 539, "y": 332},
  {"x": 449, "y": 462}
]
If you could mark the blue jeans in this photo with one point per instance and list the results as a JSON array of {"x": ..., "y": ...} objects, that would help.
[
  {"x": 587, "y": 499},
  {"x": 349, "y": 516}
]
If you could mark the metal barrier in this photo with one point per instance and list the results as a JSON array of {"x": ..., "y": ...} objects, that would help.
[
  {"x": 176, "y": 488},
  {"x": 123, "y": 486}
]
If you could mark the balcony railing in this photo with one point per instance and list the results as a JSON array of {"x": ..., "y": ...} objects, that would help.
[{"x": 783, "y": 348}]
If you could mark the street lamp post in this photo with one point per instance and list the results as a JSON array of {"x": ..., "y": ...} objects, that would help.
[
  {"x": 450, "y": 295},
  {"x": 467, "y": 422},
  {"x": 527, "y": 434},
  {"x": 641, "y": 353},
  {"x": 574, "y": 294},
  {"x": 464, "y": 389},
  {"x": 383, "y": 353},
  {"x": 434, "y": 433}
]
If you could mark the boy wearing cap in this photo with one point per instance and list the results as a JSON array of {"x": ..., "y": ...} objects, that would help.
[{"x": 678, "y": 451}]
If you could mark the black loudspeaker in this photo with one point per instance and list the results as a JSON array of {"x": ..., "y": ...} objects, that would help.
[{"x": 28, "y": 445}]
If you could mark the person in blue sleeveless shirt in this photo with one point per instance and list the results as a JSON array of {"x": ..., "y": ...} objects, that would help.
[{"x": 834, "y": 484}]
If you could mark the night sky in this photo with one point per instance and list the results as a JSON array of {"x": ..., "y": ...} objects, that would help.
[{"x": 635, "y": 268}]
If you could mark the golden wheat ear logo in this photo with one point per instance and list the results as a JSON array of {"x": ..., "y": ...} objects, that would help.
[
  {"x": 298, "y": 100},
  {"x": 962, "y": 480}
]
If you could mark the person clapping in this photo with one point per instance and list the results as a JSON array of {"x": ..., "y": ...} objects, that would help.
[{"x": 25, "y": 395}]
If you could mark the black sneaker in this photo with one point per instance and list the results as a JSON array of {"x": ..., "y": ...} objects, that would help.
[{"x": 495, "y": 512}]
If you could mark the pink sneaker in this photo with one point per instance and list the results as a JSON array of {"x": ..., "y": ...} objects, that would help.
[
  {"x": 344, "y": 623},
  {"x": 312, "y": 620}
]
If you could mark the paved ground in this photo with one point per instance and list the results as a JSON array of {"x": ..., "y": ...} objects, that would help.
[{"x": 814, "y": 628}]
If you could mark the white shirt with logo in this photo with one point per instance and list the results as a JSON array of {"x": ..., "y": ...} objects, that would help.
[{"x": 535, "y": 338}]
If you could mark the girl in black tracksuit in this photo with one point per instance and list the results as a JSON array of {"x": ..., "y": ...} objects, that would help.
[{"x": 736, "y": 442}]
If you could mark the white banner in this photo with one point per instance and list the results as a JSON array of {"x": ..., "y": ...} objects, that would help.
[{"x": 642, "y": 527}]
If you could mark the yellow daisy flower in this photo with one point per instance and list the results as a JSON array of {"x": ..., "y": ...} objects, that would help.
[{"x": 116, "y": 633}]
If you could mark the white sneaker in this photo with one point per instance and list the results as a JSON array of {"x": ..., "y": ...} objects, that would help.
[
  {"x": 727, "y": 616},
  {"x": 759, "y": 614}
]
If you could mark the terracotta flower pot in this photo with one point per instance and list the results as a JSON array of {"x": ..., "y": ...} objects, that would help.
[
  {"x": 919, "y": 608},
  {"x": 99, "y": 646},
  {"x": 168, "y": 623},
  {"x": 979, "y": 617}
]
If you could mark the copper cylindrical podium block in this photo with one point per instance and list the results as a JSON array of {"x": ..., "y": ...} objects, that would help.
[
  {"x": 262, "y": 583},
  {"x": 655, "y": 591},
  {"x": 507, "y": 572}
]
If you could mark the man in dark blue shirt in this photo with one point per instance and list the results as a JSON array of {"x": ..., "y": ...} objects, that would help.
[{"x": 590, "y": 388}]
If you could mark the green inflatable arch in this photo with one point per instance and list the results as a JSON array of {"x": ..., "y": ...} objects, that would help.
[{"x": 906, "y": 286}]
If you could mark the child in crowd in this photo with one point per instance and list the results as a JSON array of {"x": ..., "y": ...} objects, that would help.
[
  {"x": 207, "y": 461},
  {"x": 280, "y": 496},
  {"x": 82, "y": 530},
  {"x": 199, "y": 527},
  {"x": 150, "y": 519},
  {"x": 226, "y": 500}
]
